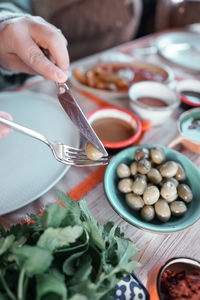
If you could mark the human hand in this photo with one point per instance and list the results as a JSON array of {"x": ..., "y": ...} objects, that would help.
[
  {"x": 20, "y": 51},
  {"x": 4, "y": 130}
]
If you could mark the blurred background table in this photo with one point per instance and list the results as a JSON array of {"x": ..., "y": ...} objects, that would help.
[{"x": 153, "y": 248}]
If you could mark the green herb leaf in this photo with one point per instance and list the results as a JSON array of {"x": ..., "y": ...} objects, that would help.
[
  {"x": 33, "y": 259},
  {"x": 78, "y": 297},
  {"x": 83, "y": 271},
  {"x": 66, "y": 254},
  {"x": 72, "y": 210},
  {"x": 96, "y": 238},
  {"x": 53, "y": 216},
  {"x": 55, "y": 238},
  {"x": 71, "y": 263},
  {"x": 51, "y": 285},
  {"x": 5, "y": 243}
]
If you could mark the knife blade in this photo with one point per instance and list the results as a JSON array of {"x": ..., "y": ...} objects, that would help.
[{"x": 75, "y": 113}]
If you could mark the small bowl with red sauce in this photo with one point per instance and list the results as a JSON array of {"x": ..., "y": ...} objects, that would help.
[
  {"x": 153, "y": 101},
  {"x": 116, "y": 127},
  {"x": 177, "y": 278}
]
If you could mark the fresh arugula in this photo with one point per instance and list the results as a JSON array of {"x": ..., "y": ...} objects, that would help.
[{"x": 64, "y": 255}]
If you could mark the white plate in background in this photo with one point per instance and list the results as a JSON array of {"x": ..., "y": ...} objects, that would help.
[{"x": 181, "y": 48}]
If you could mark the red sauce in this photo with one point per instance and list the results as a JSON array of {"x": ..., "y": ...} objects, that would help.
[
  {"x": 113, "y": 130},
  {"x": 153, "y": 102}
]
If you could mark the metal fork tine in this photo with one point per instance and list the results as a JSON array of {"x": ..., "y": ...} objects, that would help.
[
  {"x": 86, "y": 161},
  {"x": 69, "y": 153},
  {"x": 89, "y": 164},
  {"x": 83, "y": 158},
  {"x": 68, "y": 148}
]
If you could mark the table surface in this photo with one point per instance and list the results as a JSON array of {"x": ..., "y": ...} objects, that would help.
[{"x": 153, "y": 248}]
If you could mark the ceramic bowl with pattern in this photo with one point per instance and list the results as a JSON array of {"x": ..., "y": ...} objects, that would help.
[{"x": 131, "y": 288}]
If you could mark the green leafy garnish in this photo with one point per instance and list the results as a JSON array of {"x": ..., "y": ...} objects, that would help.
[{"x": 65, "y": 254}]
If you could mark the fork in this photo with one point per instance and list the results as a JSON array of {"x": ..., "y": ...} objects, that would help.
[{"x": 63, "y": 153}]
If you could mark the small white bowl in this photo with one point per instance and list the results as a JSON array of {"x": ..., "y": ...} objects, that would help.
[{"x": 156, "y": 115}]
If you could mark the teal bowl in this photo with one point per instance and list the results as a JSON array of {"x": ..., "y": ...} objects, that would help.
[{"x": 117, "y": 199}]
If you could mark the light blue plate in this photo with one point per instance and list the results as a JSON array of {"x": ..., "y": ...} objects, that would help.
[
  {"x": 181, "y": 48},
  {"x": 28, "y": 169},
  {"x": 117, "y": 199}
]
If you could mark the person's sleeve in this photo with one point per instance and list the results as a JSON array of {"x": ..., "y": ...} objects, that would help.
[
  {"x": 8, "y": 12},
  {"x": 12, "y": 9}
]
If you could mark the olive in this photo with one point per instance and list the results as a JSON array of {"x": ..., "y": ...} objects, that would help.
[
  {"x": 123, "y": 171},
  {"x": 154, "y": 176},
  {"x": 125, "y": 185},
  {"x": 162, "y": 210},
  {"x": 157, "y": 155},
  {"x": 173, "y": 180},
  {"x": 141, "y": 153},
  {"x": 185, "y": 192},
  {"x": 180, "y": 174},
  {"x": 139, "y": 185},
  {"x": 178, "y": 208},
  {"x": 92, "y": 152},
  {"x": 169, "y": 169},
  {"x": 169, "y": 191},
  {"x": 151, "y": 195},
  {"x": 134, "y": 201},
  {"x": 147, "y": 213},
  {"x": 144, "y": 166},
  {"x": 133, "y": 168},
  {"x": 143, "y": 176}
]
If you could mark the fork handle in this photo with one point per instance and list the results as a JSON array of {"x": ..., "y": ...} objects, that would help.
[{"x": 25, "y": 130}]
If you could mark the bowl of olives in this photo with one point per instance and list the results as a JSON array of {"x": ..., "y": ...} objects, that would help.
[{"x": 154, "y": 188}]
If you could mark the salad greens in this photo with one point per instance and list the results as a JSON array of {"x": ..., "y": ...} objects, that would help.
[{"x": 65, "y": 254}]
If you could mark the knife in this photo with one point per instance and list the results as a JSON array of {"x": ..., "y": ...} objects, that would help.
[{"x": 75, "y": 113}]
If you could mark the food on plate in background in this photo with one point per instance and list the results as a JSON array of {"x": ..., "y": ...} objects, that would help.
[
  {"x": 154, "y": 186},
  {"x": 118, "y": 76}
]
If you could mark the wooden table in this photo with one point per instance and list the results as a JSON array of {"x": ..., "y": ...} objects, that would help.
[{"x": 153, "y": 248}]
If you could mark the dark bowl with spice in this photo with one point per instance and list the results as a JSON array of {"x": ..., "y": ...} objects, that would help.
[
  {"x": 189, "y": 90},
  {"x": 176, "y": 279},
  {"x": 116, "y": 127}
]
